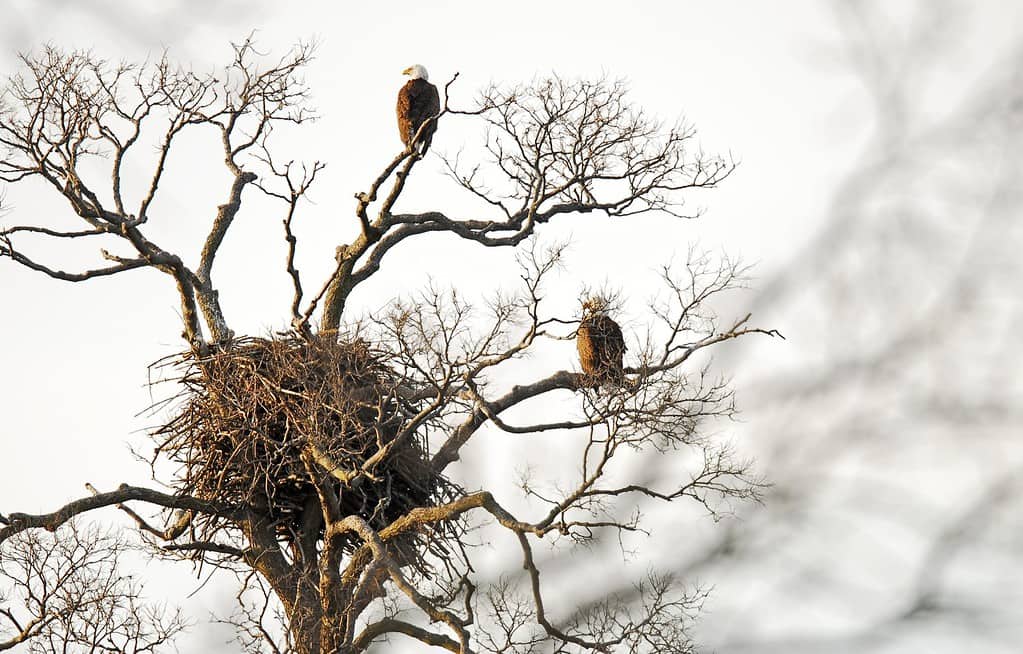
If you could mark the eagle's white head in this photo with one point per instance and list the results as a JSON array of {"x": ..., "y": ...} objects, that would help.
[{"x": 418, "y": 71}]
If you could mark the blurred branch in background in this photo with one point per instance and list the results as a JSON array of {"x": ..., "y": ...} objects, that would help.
[{"x": 891, "y": 433}]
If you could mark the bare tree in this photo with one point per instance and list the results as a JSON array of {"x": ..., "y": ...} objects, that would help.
[
  {"x": 315, "y": 465},
  {"x": 67, "y": 593}
]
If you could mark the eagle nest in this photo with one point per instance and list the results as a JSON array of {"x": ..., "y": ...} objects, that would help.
[{"x": 263, "y": 421}]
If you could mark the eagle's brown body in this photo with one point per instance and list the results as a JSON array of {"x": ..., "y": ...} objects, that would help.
[
  {"x": 418, "y": 100},
  {"x": 601, "y": 347}
]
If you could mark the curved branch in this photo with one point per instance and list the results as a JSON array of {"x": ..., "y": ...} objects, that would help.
[
  {"x": 359, "y": 526},
  {"x": 19, "y": 522},
  {"x": 391, "y": 625},
  {"x": 128, "y": 264},
  {"x": 735, "y": 331},
  {"x": 448, "y": 452},
  {"x": 225, "y": 216}
]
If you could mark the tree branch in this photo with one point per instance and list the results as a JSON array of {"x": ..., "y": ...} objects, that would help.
[
  {"x": 19, "y": 522},
  {"x": 380, "y": 628}
]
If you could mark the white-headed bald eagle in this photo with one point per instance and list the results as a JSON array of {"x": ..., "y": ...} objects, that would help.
[
  {"x": 418, "y": 101},
  {"x": 600, "y": 343}
]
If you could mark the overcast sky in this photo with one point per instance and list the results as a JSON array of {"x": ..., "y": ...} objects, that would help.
[{"x": 769, "y": 82}]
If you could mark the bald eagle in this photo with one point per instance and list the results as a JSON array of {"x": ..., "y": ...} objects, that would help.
[
  {"x": 418, "y": 101},
  {"x": 600, "y": 343}
]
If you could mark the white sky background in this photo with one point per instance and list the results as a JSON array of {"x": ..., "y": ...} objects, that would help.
[{"x": 765, "y": 81}]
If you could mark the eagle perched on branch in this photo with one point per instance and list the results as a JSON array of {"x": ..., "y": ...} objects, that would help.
[
  {"x": 600, "y": 343},
  {"x": 418, "y": 101}
]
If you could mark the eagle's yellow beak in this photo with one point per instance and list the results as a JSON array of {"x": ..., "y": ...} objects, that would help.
[{"x": 407, "y": 71}]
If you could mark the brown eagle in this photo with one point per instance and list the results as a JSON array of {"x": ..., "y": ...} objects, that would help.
[
  {"x": 418, "y": 101},
  {"x": 600, "y": 343}
]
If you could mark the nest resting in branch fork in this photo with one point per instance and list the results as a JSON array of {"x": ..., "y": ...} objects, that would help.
[{"x": 264, "y": 421}]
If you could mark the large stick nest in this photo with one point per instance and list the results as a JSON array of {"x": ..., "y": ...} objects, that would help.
[{"x": 263, "y": 418}]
